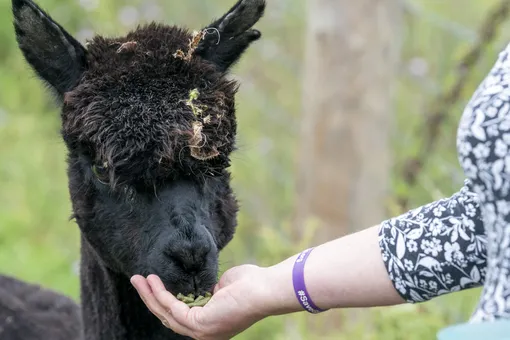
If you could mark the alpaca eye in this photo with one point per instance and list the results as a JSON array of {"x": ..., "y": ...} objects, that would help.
[{"x": 101, "y": 172}]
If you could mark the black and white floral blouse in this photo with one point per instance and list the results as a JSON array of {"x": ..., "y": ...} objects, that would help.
[
  {"x": 463, "y": 241},
  {"x": 436, "y": 249}
]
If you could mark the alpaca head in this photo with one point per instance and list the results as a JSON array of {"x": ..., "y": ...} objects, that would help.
[{"x": 149, "y": 123}]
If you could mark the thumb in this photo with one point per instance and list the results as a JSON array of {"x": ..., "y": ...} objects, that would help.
[
  {"x": 216, "y": 288},
  {"x": 228, "y": 277},
  {"x": 233, "y": 274}
]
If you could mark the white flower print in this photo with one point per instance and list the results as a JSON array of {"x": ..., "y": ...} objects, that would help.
[
  {"x": 501, "y": 148},
  {"x": 489, "y": 214},
  {"x": 470, "y": 210},
  {"x": 468, "y": 223},
  {"x": 453, "y": 204},
  {"x": 431, "y": 247},
  {"x": 491, "y": 111},
  {"x": 412, "y": 246},
  {"x": 399, "y": 284},
  {"x": 465, "y": 149},
  {"x": 503, "y": 207},
  {"x": 436, "y": 226},
  {"x": 497, "y": 103},
  {"x": 481, "y": 151},
  {"x": 504, "y": 125},
  {"x": 492, "y": 131},
  {"x": 438, "y": 211},
  {"x": 469, "y": 168},
  {"x": 452, "y": 251},
  {"x": 385, "y": 256},
  {"x": 506, "y": 139},
  {"x": 481, "y": 195}
]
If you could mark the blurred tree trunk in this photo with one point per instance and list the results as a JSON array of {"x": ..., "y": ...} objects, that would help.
[{"x": 344, "y": 160}]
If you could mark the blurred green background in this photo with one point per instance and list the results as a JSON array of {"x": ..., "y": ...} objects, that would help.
[{"x": 38, "y": 243}]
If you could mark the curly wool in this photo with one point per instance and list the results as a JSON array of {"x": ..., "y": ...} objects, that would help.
[{"x": 108, "y": 114}]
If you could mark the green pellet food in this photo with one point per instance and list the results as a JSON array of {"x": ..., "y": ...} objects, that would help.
[{"x": 191, "y": 301}]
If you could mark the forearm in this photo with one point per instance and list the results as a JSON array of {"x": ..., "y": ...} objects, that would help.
[
  {"x": 429, "y": 251},
  {"x": 346, "y": 272}
]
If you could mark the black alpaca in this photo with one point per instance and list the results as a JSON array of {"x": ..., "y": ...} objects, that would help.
[
  {"x": 30, "y": 312},
  {"x": 149, "y": 124}
]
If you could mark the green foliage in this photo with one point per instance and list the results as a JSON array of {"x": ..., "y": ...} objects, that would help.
[{"x": 38, "y": 243}]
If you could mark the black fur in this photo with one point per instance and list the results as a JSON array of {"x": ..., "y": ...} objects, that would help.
[
  {"x": 29, "y": 312},
  {"x": 147, "y": 172},
  {"x": 58, "y": 59}
]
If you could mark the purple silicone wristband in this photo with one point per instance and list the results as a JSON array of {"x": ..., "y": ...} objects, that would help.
[{"x": 298, "y": 279}]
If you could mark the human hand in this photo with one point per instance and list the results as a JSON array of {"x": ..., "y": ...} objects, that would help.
[{"x": 239, "y": 300}]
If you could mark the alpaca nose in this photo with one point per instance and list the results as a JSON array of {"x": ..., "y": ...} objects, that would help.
[{"x": 191, "y": 256}]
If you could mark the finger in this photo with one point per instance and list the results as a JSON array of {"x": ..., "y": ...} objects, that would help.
[
  {"x": 178, "y": 309},
  {"x": 144, "y": 290},
  {"x": 171, "y": 323},
  {"x": 147, "y": 295}
]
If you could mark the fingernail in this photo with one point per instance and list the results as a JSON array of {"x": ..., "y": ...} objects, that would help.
[
  {"x": 165, "y": 323},
  {"x": 155, "y": 282}
]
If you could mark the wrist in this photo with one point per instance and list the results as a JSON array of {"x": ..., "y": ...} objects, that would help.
[{"x": 279, "y": 296}]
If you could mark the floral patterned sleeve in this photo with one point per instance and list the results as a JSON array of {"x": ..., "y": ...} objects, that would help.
[{"x": 436, "y": 249}]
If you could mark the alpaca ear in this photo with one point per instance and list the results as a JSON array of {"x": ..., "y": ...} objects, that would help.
[
  {"x": 228, "y": 37},
  {"x": 57, "y": 58}
]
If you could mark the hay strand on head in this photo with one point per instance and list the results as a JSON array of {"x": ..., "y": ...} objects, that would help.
[
  {"x": 192, "y": 46},
  {"x": 198, "y": 142}
]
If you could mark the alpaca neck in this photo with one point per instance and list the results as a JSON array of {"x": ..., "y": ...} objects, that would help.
[{"x": 111, "y": 307}]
